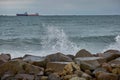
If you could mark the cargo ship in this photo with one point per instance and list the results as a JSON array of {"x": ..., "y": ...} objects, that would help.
[{"x": 26, "y": 14}]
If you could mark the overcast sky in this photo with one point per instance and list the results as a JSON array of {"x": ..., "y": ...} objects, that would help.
[{"x": 61, "y": 7}]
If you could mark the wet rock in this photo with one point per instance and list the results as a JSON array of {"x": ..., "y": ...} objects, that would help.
[
  {"x": 111, "y": 54},
  {"x": 58, "y": 57},
  {"x": 106, "y": 76},
  {"x": 89, "y": 63},
  {"x": 54, "y": 76},
  {"x": 24, "y": 77},
  {"x": 83, "y": 53},
  {"x": 32, "y": 58},
  {"x": 62, "y": 68}
]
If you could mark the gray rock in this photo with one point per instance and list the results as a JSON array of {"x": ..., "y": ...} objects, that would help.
[
  {"x": 88, "y": 63},
  {"x": 83, "y": 53},
  {"x": 58, "y": 57}
]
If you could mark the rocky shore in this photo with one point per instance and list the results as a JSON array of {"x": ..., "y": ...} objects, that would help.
[{"x": 81, "y": 66}]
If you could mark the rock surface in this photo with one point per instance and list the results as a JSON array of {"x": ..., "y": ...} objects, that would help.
[
  {"x": 83, "y": 66},
  {"x": 58, "y": 57},
  {"x": 83, "y": 53}
]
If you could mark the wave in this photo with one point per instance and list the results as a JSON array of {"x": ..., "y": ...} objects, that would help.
[
  {"x": 103, "y": 39},
  {"x": 115, "y": 45}
]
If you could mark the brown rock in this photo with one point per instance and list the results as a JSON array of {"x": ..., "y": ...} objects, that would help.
[
  {"x": 89, "y": 63},
  {"x": 54, "y": 76},
  {"x": 16, "y": 67},
  {"x": 44, "y": 78},
  {"x": 58, "y": 57},
  {"x": 24, "y": 77},
  {"x": 77, "y": 78},
  {"x": 4, "y": 58},
  {"x": 116, "y": 70},
  {"x": 98, "y": 70},
  {"x": 86, "y": 76},
  {"x": 106, "y": 76},
  {"x": 62, "y": 68},
  {"x": 107, "y": 67},
  {"x": 83, "y": 53},
  {"x": 111, "y": 54},
  {"x": 115, "y": 63}
]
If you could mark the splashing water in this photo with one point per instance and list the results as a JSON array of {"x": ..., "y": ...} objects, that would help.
[
  {"x": 115, "y": 45},
  {"x": 57, "y": 41}
]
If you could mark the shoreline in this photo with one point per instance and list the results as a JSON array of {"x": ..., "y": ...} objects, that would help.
[{"x": 81, "y": 66}]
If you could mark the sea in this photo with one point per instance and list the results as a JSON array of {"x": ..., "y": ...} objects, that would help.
[{"x": 44, "y": 35}]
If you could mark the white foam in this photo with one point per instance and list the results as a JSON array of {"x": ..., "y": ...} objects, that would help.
[
  {"x": 57, "y": 41},
  {"x": 115, "y": 45}
]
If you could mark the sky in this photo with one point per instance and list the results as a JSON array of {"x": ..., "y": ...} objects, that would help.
[{"x": 61, "y": 7}]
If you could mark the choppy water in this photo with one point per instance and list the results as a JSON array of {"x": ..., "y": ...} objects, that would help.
[{"x": 43, "y": 35}]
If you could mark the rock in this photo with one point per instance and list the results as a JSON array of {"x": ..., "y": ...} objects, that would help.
[
  {"x": 24, "y": 77},
  {"x": 62, "y": 68},
  {"x": 106, "y": 76},
  {"x": 31, "y": 69},
  {"x": 115, "y": 63},
  {"x": 107, "y": 67},
  {"x": 7, "y": 75},
  {"x": 44, "y": 78},
  {"x": 111, "y": 54},
  {"x": 58, "y": 57},
  {"x": 12, "y": 66},
  {"x": 88, "y": 63},
  {"x": 71, "y": 56},
  {"x": 97, "y": 70},
  {"x": 83, "y": 53},
  {"x": 4, "y": 58},
  {"x": 54, "y": 76},
  {"x": 116, "y": 70},
  {"x": 86, "y": 76},
  {"x": 32, "y": 58},
  {"x": 77, "y": 78},
  {"x": 16, "y": 67},
  {"x": 40, "y": 63}
]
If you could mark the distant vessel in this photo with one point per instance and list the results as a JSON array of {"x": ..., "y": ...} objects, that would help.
[{"x": 26, "y": 14}]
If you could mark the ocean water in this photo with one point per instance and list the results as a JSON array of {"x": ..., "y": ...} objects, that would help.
[{"x": 43, "y": 35}]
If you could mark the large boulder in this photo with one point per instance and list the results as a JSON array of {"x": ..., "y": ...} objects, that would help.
[
  {"x": 88, "y": 63},
  {"x": 111, "y": 54},
  {"x": 4, "y": 58},
  {"x": 16, "y": 67},
  {"x": 58, "y": 57},
  {"x": 62, "y": 68},
  {"x": 83, "y": 53},
  {"x": 115, "y": 65},
  {"x": 106, "y": 76}
]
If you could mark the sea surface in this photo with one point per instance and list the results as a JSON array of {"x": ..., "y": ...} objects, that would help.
[{"x": 43, "y": 35}]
